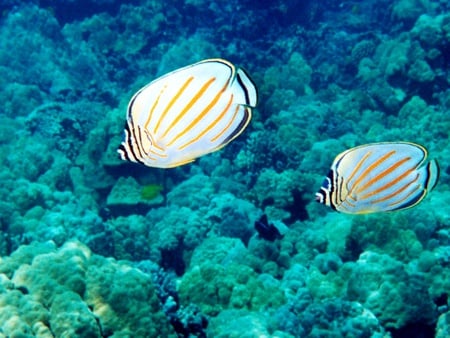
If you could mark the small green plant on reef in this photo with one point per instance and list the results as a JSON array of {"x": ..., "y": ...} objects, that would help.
[{"x": 151, "y": 191}]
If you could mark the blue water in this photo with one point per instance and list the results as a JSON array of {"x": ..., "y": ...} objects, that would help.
[{"x": 92, "y": 246}]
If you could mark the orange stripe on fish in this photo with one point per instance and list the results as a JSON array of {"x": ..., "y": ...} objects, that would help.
[
  {"x": 209, "y": 127},
  {"x": 188, "y": 113}
]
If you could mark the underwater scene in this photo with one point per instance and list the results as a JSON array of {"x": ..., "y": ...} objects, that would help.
[{"x": 192, "y": 168}]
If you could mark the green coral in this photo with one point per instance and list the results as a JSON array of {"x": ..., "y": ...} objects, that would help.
[
  {"x": 438, "y": 275},
  {"x": 325, "y": 285},
  {"x": 214, "y": 287},
  {"x": 390, "y": 233},
  {"x": 410, "y": 10},
  {"x": 393, "y": 56},
  {"x": 242, "y": 324},
  {"x": 71, "y": 292},
  {"x": 220, "y": 250},
  {"x": 127, "y": 193},
  {"x": 295, "y": 75},
  {"x": 273, "y": 188},
  {"x": 432, "y": 31},
  {"x": 421, "y": 71},
  {"x": 396, "y": 294},
  {"x": 443, "y": 325},
  {"x": 68, "y": 308},
  {"x": 124, "y": 299}
]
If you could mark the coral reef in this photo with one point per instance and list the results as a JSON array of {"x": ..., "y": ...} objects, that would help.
[
  {"x": 216, "y": 287},
  {"x": 92, "y": 246},
  {"x": 79, "y": 294}
]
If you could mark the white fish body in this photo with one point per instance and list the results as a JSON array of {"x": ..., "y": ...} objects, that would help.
[
  {"x": 188, "y": 113},
  {"x": 379, "y": 177}
]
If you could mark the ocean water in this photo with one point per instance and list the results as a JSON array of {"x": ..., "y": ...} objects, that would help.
[{"x": 93, "y": 246}]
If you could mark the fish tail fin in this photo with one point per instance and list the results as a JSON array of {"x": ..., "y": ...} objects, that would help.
[{"x": 432, "y": 177}]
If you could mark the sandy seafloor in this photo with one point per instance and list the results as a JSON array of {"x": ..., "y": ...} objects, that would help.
[{"x": 92, "y": 246}]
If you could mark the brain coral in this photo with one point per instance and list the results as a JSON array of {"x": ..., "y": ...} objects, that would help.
[{"x": 69, "y": 292}]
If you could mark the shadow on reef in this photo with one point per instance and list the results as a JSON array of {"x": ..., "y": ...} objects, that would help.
[
  {"x": 267, "y": 230},
  {"x": 171, "y": 259},
  {"x": 187, "y": 321},
  {"x": 298, "y": 208},
  {"x": 416, "y": 330}
]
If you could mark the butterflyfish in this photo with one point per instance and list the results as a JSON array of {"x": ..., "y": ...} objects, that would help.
[
  {"x": 188, "y": 113},
  {"x": 379, "y": 177}
]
